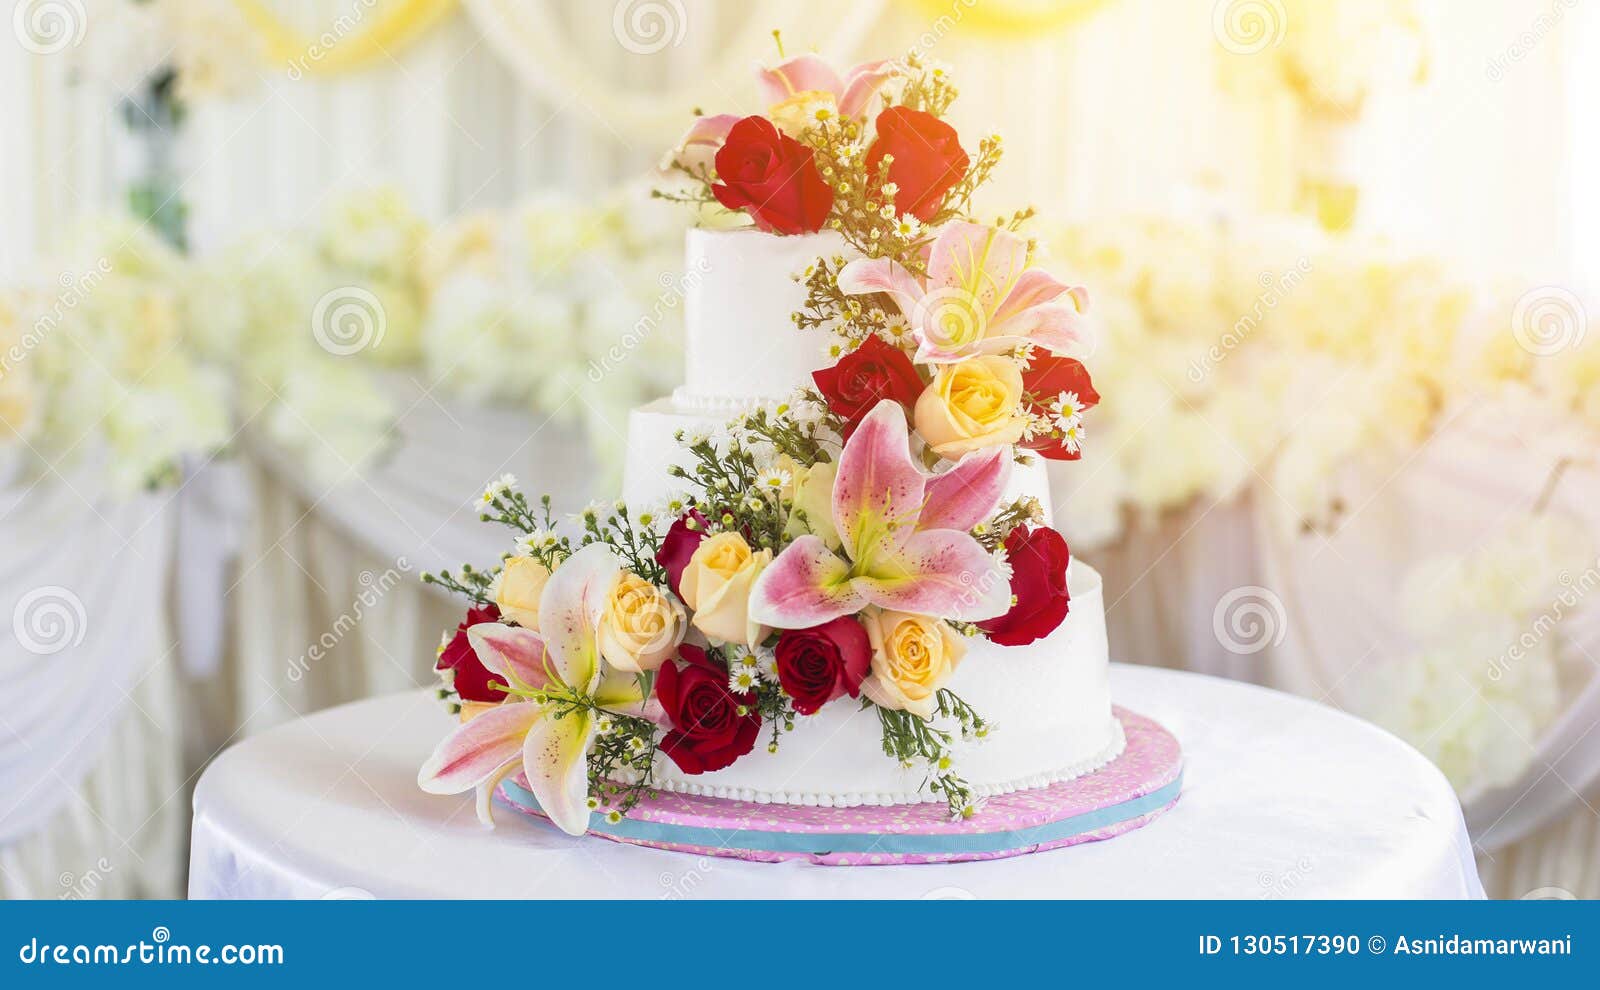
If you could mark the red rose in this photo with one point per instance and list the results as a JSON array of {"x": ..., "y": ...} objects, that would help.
[
  {"x": 824, "y": 662},
  {"x": 1048, "y": 376},
  {"x": 928, "y": 159},
  {"x": 773, "y": 177},
  {"x": 708, "y": 733},
  {"x": 1039, "y": 561},
  {"x": 679, "y": 545},
  {"x": 874, "y": 371},
  {"x": 470, "y": 677}
]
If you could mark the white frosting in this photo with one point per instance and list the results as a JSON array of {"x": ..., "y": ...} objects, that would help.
[
  {"x": 740, "y": 341},
  {"x": 1049, "y": 701}
]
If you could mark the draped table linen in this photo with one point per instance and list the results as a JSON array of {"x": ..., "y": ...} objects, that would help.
[{"x": 1282, "y": 798}]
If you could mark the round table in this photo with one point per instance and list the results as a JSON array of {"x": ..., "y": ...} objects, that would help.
[{"x": 1282, "y": 797}]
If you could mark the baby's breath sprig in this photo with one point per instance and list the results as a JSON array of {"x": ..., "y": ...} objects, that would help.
[
  {"x": 621, "y": 763},
  {"x": 730, "y": 495},
  {"x": 927, "y": 87},
  {"x": 911, "y": 740},
  {"x": 472, "y": 583},
  {"x": 992, "y": 532},
  {"x": 635, "y": 541}
]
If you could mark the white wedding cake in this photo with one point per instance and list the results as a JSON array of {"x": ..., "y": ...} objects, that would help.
[{"x": 1049, "y": 701}]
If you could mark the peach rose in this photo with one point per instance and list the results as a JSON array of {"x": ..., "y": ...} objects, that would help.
[
  {"x": 518, "y": 588},
  {"x": 974, "y": 404},
  {"x": 640, "y": 625},
  {"x": 913, "y": 656},
  {"x": 716, "y": 586}
]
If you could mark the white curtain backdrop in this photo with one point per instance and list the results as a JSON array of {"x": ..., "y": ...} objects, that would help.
[{"x": 91, "y": 791}]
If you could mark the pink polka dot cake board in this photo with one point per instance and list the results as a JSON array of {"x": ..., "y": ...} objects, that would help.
[{"x": 1128, "y": 792}]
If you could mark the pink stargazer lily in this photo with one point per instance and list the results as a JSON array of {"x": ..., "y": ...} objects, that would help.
[
  {"x": 554, "y": 671},
  {"x": 979, "y": 296},
  {"x": 905, "y": 533},
  {"x": 697, "y": 149},
  {"x": 852, "y": 94}
]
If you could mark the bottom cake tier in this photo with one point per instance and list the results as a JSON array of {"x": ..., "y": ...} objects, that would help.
[
  {"x": 1049, "y": 704},
  {"x": 1131, "y": 790}
]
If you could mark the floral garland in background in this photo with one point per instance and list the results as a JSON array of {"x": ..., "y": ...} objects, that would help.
[
  {"x": 97, "y": 366},
  {"x": 1219, "y": 330},
  {"x": 574, "y": 310}
]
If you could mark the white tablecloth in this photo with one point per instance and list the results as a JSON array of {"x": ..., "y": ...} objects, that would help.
[{"x": 1282, "y": 798}]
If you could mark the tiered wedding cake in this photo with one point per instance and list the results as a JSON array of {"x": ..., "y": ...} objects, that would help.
[
  {"x": 1048, "y": 700},
  {"x": 830, "y": 618}
]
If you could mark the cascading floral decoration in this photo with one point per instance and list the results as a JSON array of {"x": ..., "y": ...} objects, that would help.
[{"x": 840, "y": 548}]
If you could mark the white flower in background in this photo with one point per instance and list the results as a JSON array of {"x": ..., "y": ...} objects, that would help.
[
  {"x": 215, "y": 49},
  {"x": 332, "y": 416},
  {"x": 1486, "y": 680},
  {"x": 103, "y": 357}
]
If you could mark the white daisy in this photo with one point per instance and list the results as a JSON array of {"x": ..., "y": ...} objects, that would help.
[
  {"x": 1067, "y": 410},
  {"x": 498, "y": 487},
  {"x": 1072, "y": 437},
  {"x": 743, "y": 679},
  {"x": 774, "y": 479},
  {"x": 908, "y": 226}
]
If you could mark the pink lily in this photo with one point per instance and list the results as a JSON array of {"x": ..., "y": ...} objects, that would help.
[
  {"x": 979, "y": 296},
  {"x": 553, "y": 672},
  {"x": 697, "y": 149},
  {"x": 812, "y": 74},
  {"x": 905, "y": 534}
]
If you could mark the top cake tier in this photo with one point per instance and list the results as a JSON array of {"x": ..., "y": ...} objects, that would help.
[{"x": 741, "y": 345}]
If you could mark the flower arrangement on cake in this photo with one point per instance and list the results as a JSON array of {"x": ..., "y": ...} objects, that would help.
[{"x": 848, "y": 546}]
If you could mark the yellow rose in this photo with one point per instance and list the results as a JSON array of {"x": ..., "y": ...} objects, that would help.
[
  {"x": 972, "y": 405},
  {"x": 810, "y": 492},
  {"x": 518, "y": 588},
  {"x": 802, "y": 111},
  {"x": 716, "y": 586},
  {"x": 913, "y": 656},
  {"x": 640, "y": 625}
]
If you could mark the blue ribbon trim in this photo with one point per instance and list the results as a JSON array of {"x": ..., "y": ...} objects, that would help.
[{"x": 889, "y": 843}]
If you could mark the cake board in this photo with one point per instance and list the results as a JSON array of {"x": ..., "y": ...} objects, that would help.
[{"x": 1125, "y": 794}]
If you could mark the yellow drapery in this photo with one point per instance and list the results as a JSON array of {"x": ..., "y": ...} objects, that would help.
[
  {"x": 1019, "y": 19},
  {"x": 353, "y": 41}
]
